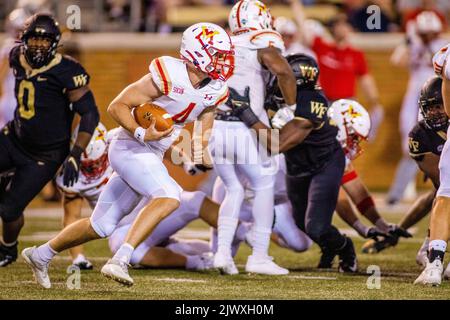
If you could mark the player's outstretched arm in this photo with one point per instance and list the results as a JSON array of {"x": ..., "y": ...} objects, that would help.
[
  {"x": 141, "y": 91},
  {"x": 300, "y": 17},
  {"x": 83, "y": 103},
  {"x": 278, "y": 65}
]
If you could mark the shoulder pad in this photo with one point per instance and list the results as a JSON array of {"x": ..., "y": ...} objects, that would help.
[
  {"x": 159, "y": 69},
  {"x": 266, "y": 38}
]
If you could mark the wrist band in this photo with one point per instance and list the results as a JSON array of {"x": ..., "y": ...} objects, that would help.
[{"x": 139, "y": 134}]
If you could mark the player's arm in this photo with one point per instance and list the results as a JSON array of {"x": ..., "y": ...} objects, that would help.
[
  {"x": 83, "y": 103},
  {"x": 446, "y": 94},
  {"x": 292, "y": 134},
  {"x": 200, "y": 137},
  {"x": 141, "y": 91},
  {"x": 300, "y": 17},
  {"x": 429, "y": 164},
  {"x": 400, "y": 56},
  {"x": 272, "y": 58}
]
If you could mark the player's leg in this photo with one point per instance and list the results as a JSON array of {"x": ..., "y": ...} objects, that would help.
[
  {"x": 322, "y": 199},
  {"x": 72, "y": 212},
  {"x": 17, "y": 196},
  {"x": 116, "y": 200},
  {"x": 228, "y": 217},
  {"x": 286, "y": 232},
  {"x": 439, "y": 223},
  {"x": 143, "y": 170}
]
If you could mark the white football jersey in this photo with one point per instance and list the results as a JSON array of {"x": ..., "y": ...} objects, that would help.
[
  {"x": 421, "y": 55},
  {"x": 180, "y": 99},
  {"x": 440, "y": 62},
  {"x": 248, "y": 71}
]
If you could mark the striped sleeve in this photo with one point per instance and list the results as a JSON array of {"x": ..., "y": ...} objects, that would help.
[{"x": 160, "y": 75}]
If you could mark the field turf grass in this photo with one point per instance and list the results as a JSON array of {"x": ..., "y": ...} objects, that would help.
[{"x": 398, "y": 271}]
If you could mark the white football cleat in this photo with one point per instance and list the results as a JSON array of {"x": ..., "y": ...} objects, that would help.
[
  {"x": 40, "y": 272},
  {"x": 225, "y": 264},
  {"x": 447, "y": 272},
  {"x": 432, "y": 274},
  {"x": 117, "y": 271},
  {"x": 264, "y": 265},
  {"x": 205, "y": 262}
]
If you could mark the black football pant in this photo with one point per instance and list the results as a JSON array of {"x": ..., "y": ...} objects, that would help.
[
  {"x": 314, "y": 200},
  {"x": 29, "y": 178}
]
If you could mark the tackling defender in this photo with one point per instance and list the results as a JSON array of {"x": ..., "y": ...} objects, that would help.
[
  {"x": 50, "y": 88},
  {"x": 314, "y": 158},
  {"x": 136, "y": 153}
]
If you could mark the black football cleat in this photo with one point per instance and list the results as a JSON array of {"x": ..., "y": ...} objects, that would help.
[
  {"x": 8, "y": 254},
  {"x": 84, "y": 265},
  {"x": 327, "y": 258},
  {"x": 348, "y": 262}
]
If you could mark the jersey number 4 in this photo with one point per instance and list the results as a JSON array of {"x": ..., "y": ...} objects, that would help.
[
  {"x": 26, "y": 108},
  {"x": 183, "y": 115}
]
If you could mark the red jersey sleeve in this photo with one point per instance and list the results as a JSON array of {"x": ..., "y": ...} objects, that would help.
[{"x": 318, "y": 45}]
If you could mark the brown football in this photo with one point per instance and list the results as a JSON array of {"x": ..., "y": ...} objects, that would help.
[{"x": 143, "y": 113}]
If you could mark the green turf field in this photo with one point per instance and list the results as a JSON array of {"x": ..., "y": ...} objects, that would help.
[{"x": 398, "y": 271}]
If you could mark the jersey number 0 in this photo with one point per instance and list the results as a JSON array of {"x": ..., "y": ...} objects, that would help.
[{"x": 26, "y": 108}]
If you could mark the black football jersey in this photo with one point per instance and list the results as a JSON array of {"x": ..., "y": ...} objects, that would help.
[
  {"x": 43, "y": 116},
  {"x": 423, "y": 140},
  {"x": 314, "y": 152}
]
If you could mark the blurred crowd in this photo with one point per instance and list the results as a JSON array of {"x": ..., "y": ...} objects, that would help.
[{"x": 153, "y": 15}]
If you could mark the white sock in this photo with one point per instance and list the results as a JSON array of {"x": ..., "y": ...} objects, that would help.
[
  {"x": 438, "y": 245},
  {"x": 261, "y": 241},
  {"x": 360, "y": 228},
  {"x": 124, "y": 253},
  {"x": 382, "y": 225},
  {"x": 226, "y": 231},
  {"x": 43, "y": 254},
  {"x": 242, "y": 230},
  {"x": 192, "y": 262}
]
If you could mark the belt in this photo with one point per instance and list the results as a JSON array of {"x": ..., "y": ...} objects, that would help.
[{"x": 226, "y": 116}]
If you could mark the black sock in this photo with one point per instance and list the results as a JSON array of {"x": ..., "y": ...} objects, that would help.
[{"x": 435, "y": 254}]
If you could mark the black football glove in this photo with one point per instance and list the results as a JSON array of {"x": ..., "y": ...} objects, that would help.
[
  {"x": 398, "y": 232},
  {"x": 374, "y": 233},
  {"x": 241, "y": 106},
  {"x": 71, "y": 167}
]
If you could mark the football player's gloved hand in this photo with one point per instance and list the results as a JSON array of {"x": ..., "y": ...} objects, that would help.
[
  {"x": 71, "y": 166},
  {"x": 282, "y": 116},
  {"x": 241, "y": 106},
  {"x": 396, "y": 231},
  {"x": 194, "y": 169},
  {"x": 374, "y": 233}
]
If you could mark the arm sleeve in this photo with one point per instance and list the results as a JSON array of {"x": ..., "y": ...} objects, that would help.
[
  {"x": 88, "y": 111},
  {"x": 73, "y": 75},
  {"x": 312, "y": 106},
  {"x": 418, "y": 143},
  {"x": 160, "y": 75},
  {"x": 318, "y": 45}
]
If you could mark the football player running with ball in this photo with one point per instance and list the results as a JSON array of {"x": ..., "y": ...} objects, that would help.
[
  {"x": 440, "y": 215},
  {"x": 50, "y": 88},
  {"x": 314, "y": 158},
  {"x": 189, "y": 89}
]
